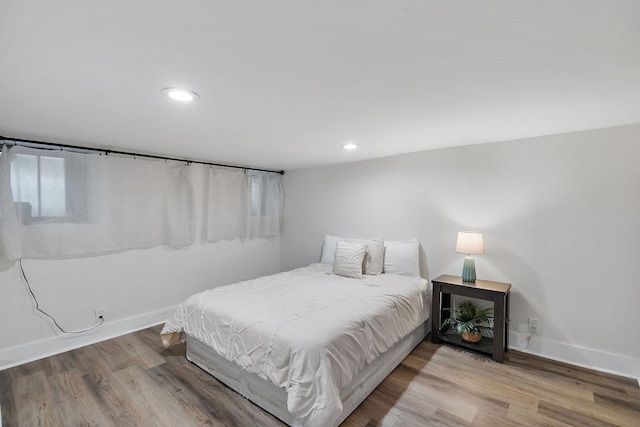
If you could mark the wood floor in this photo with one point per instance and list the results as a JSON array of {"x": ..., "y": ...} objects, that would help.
[{"x": 133, "y": 381}]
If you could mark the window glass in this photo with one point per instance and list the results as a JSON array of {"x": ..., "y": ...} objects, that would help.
[{"x": 38, "y": 185}]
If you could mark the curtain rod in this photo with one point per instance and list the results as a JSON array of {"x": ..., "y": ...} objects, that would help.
[{"x": 126, "y": 153}]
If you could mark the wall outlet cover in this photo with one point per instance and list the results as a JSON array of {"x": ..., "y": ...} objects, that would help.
[{"x": 534, "y": 324}]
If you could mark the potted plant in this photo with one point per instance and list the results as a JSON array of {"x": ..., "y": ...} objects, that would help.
[{"x": 470, "y": 322}]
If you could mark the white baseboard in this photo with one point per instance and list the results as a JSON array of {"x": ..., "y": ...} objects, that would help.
[
  {"x": 597, "y": 360},
  {"x": 29, "y": 352},
  {"x": 562, "y": 352}
]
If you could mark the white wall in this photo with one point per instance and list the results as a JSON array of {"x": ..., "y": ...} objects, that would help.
[
  {"x": 136, "y": 288},
  {"x": 560, "y": 217}
]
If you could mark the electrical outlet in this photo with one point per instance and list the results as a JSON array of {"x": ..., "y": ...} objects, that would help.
[
  {"x": 534, "y": 325},
  {"x": 99, "y": 315}
]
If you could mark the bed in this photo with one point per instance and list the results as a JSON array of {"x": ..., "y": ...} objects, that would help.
[{"x": 308, "y": 345}]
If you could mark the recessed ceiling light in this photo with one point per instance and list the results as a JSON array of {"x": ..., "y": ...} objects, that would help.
[
  {"x": 350, "y": 146},
  {"x": 180, "y": 94}
]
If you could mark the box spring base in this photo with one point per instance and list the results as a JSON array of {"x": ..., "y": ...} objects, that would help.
[{"x": 273, "y": 399}]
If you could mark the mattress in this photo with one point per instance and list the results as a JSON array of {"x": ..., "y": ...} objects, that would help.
[{"x": 307, "y": 331}]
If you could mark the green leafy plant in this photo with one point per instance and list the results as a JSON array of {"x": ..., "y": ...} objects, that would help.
[{"x": 467, "y": 318}]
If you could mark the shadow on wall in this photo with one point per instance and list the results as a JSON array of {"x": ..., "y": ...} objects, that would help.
[
  {"x": 424, "y": 268},
  {"x": 530, "y": 299}
]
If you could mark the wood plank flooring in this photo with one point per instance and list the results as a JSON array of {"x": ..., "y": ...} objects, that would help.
[{"x": 133, "y": 381}]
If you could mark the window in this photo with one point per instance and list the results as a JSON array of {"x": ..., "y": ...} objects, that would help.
[
  {"x": 72, "y": 203},
  {"x": 38, "y": 184},
  {"x": 266, "y": 204},
  {"x": 243, "y": 204},
  {"x": 51, "y": 187}
]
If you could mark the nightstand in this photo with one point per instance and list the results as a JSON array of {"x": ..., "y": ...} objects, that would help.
[{"x": 444, "y": 286}]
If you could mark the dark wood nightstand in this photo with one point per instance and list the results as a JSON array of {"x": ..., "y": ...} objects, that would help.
[{"x": 444, "y": 286}]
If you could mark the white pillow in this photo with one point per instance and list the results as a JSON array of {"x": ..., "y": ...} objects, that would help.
[
  {"x": 329, "y": 249},
  {"x": 373, "y": 261},
  {"x": 374, "y": 258},
  {"x": 348, "y": 259},
  {"x": 402, "y": 257}
]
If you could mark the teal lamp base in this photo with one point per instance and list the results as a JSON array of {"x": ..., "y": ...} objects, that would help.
[{"x": 469, "y": 270}]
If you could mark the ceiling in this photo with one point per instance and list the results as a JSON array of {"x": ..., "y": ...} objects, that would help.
[{"x": 284, "y": 84}]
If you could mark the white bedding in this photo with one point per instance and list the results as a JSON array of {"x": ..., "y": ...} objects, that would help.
[{"x": 306, "y": 330}]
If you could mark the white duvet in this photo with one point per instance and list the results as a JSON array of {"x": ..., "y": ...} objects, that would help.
[{"x": 306, "y": 330}]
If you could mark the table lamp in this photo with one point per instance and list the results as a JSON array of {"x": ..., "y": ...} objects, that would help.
[{"x": 469, "y": 243}]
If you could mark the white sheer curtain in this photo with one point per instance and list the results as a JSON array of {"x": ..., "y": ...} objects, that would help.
[
  {"x": 59, "y": 203},
  {"x": 266, "y": 204},
  {"x": 229, "y": 205},
  {"x": 243, "y": 204}
]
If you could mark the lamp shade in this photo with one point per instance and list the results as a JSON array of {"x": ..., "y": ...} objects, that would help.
[{"x": 470, "y": 243}]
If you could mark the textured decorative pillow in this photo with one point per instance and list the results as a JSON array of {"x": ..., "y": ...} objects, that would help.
[
  {"x": 402, "y": 257},
  {"x": 373, "y": 260},
  {"x": 348, "y": 259}
]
